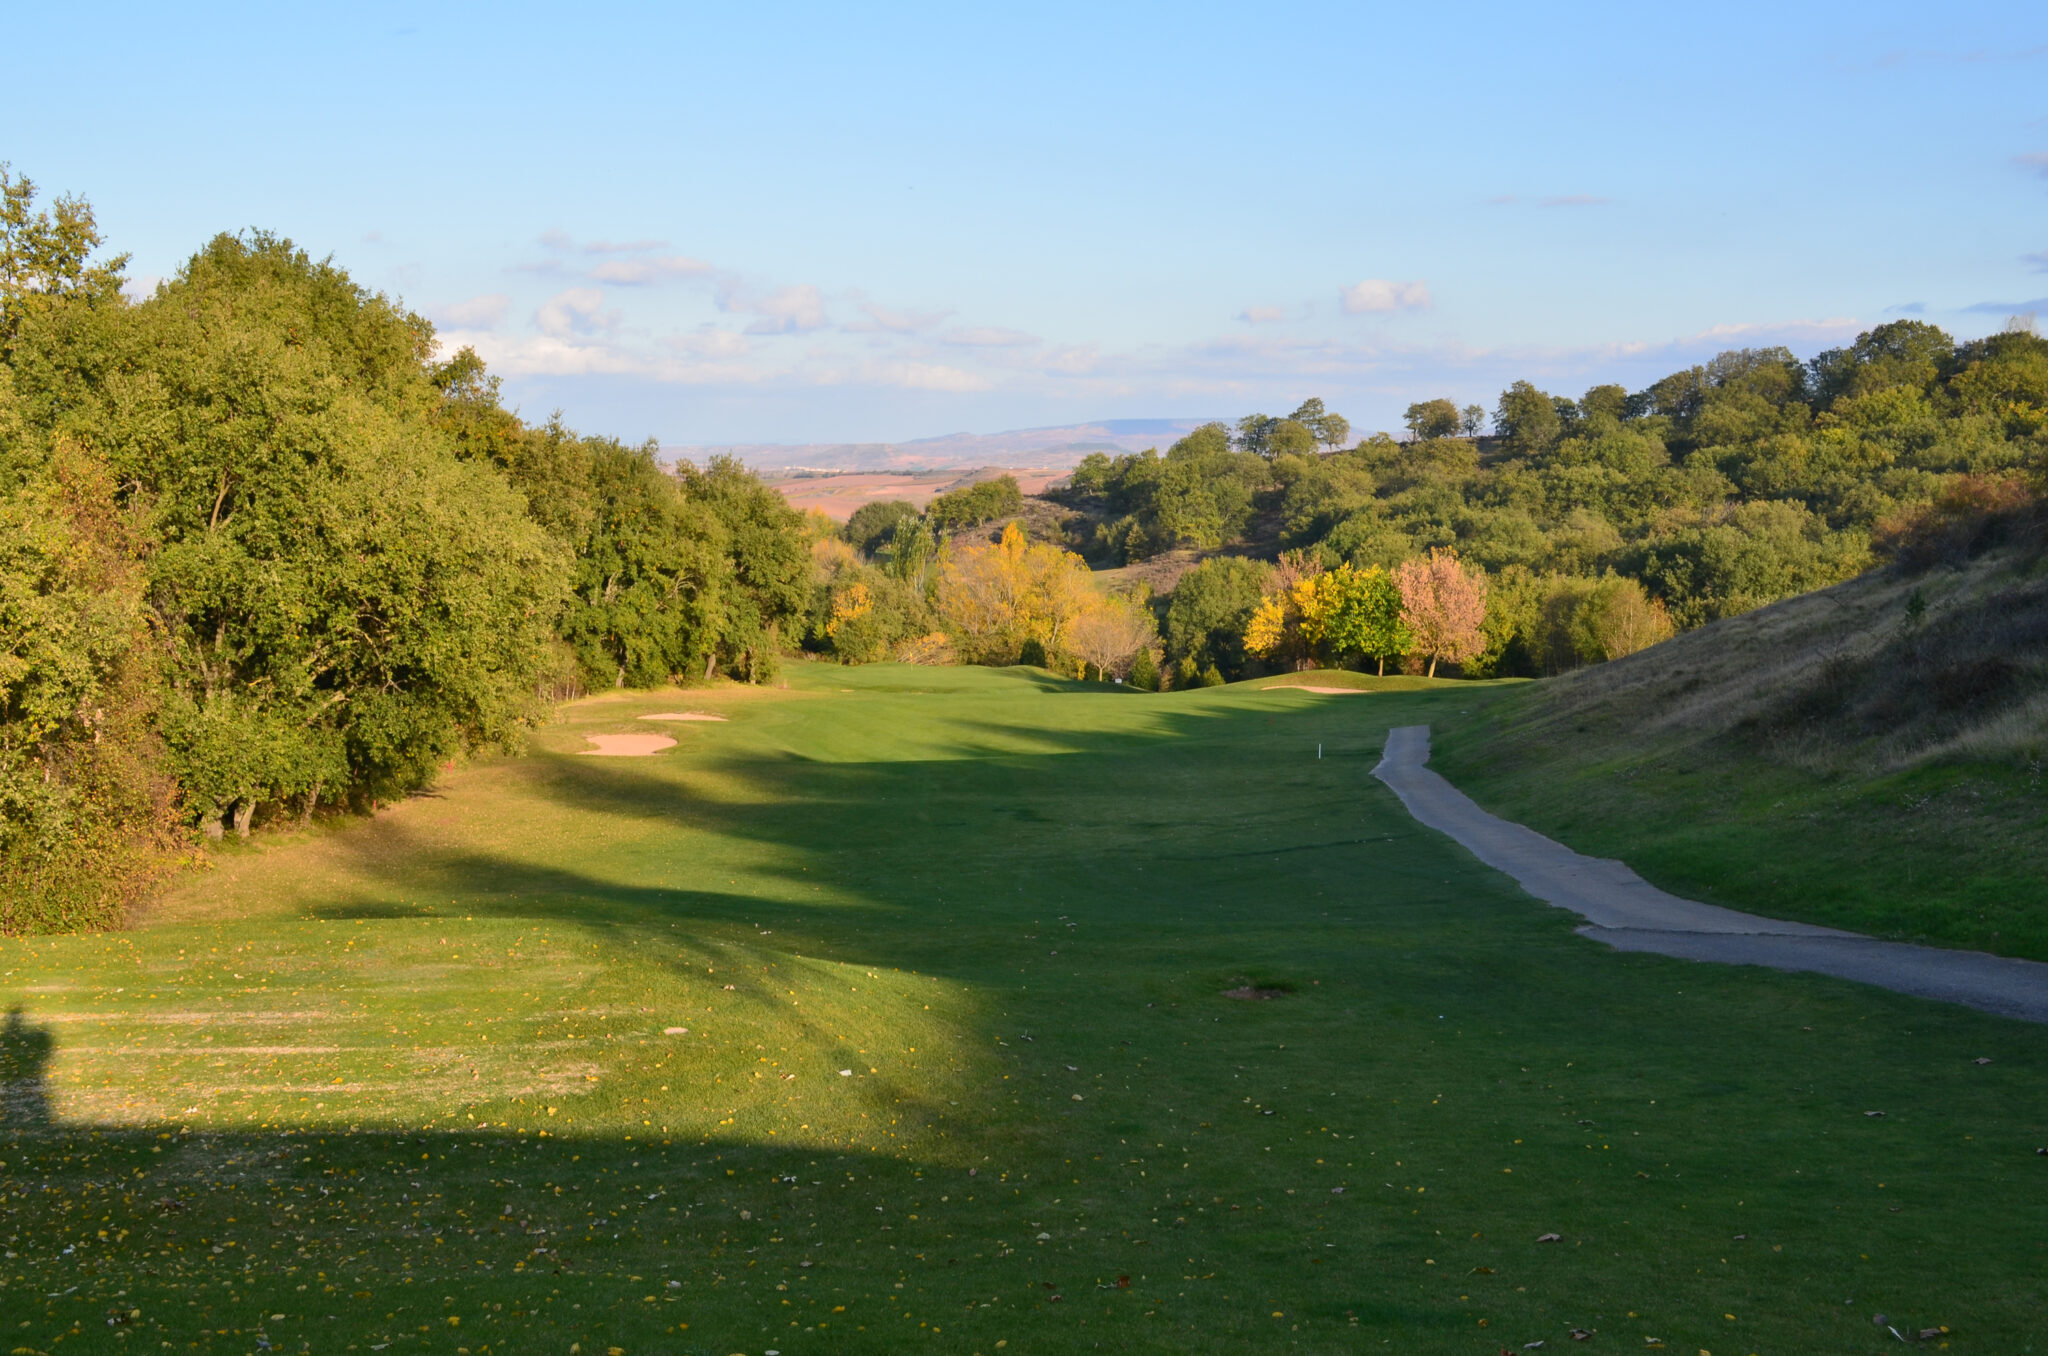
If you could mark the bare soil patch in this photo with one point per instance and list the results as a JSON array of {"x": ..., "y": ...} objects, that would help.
[
  {"x": 1333, "y": 691},
  {"x": 627, "y": 745},
  {"x": 682, "y": 715}
]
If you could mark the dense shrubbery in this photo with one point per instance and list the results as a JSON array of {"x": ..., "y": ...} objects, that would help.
[{"x": 260, "y": 552}]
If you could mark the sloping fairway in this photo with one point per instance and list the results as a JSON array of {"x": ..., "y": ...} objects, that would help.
[{"x": 888, "y": 1015}]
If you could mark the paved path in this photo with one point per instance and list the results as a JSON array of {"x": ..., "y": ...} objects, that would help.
[{"x": 1630, "y": 914}]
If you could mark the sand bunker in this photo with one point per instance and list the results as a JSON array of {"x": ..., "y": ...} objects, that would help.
[
  {"x": 1304, "y": 687},
  {"x": 682, "y": 715},
  {"x": 627, "y": 746}
]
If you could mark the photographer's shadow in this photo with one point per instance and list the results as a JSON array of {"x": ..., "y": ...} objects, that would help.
[{"x": 25, "y": 1051}]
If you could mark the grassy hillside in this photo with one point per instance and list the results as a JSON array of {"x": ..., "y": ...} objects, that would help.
[
  {"x": 1868, "y": 756},
  {"x": 890, "y": 1015}
]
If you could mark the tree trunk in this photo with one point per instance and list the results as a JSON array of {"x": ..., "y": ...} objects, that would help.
[
  {"x": 312, "y": 799},
  {"x": 210, "y": 824},
  {"x": 710, "y": 665},
  {"x": 245, "y": 810},
  {"x": 1432, "y": 666},
  {"x": 1383, "y": 666}
]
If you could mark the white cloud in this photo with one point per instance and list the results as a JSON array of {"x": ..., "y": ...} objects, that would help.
[
  {"x": 2037, "y": 162},
  {"x": 1832, "y": 327},
  {"x": 796, "y": 309},
  {"x": 634, "y": 272},
  {"x": 624, "y": 246},
  {"x": 1072, "y": 360},
  {"x": 555, "y": 240},
  {"x": 1262, "y": 315},
  {"x": 141, "y": 288},
  {"x": 927, "y": 377},
  {"x": 987, "y": 336},
  {"x": 1383, "y": 294},
  {"x": 709, "y": 341},
  {"x": 541, "y": 355},
  {"x": 880, "y": 319},
  {"x": 486, "y": 312},
  {"x": 2039, "y": 261},
  {"x": 579, "y": 310}
]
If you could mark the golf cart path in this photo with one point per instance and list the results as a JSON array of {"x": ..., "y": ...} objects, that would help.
[{"x": 1630, "y": 914}]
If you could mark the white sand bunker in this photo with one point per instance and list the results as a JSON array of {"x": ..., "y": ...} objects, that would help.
[
  {"x": 627, "y": 746},
  {"x": 1304, "y": 687},
  {"x": 682, "y": 715}
]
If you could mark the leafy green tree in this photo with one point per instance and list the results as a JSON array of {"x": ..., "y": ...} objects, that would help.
[
  {"x": 766, "y": 570},
  {"x": 1290, "y": 438},
  {"x": 1340, "y": 614},
  {"x": 1255, "y": 433},
  {"x": 1527, "y": 420},
  {"x": 648, "y": 586},
  {"x": 1908, "y": 353},
  {"x": 321, "y": 553},
  {"x": 1432, "y": 418},
  {"x": 46, "y": 262},
  {"x": 872, "y": 524},
  {"x": 1212, "y": 605},
  {"x": 976, "y": 504},
  {"x": 912, "y": 548},
  {"x": 1330, "y": 429},
  {"x": 1615, "y": 619},
  {"x": 85, "y": 794}
]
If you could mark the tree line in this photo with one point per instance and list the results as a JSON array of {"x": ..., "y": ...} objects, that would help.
[
  {"x": 1599, "y": 523},
  {"x": 262, "y": 551}
]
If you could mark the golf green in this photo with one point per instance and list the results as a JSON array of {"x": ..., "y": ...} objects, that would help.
[{"x": 894, "y": 1013}]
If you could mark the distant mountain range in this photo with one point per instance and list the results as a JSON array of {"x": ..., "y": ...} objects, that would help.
[{"x": 1057, "y": 448}]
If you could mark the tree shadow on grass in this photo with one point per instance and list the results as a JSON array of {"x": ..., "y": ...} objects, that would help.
[{"x": 25, "y": 1050}]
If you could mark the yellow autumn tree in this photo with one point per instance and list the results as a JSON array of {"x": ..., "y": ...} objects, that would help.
[{"x": 997, "y": 595}]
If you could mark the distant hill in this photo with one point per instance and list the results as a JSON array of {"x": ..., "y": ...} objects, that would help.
[{"x": 1055, "y": 448}]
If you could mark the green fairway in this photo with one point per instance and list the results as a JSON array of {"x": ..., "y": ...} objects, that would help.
[{"x": 889, "y": 1015}]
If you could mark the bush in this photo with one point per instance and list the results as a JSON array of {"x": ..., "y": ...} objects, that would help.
[{"x": 1032, "y": 653}]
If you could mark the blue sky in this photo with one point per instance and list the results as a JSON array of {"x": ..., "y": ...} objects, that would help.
[{"x": 792, "y": 223}]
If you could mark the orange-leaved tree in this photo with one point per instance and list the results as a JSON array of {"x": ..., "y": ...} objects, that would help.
[{"x": 1444, "y": 605}]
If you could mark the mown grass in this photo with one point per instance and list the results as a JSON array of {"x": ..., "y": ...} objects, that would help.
[{"x": 973, "y": 1086}]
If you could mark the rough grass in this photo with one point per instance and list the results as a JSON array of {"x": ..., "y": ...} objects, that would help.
[
  {"x": 951, "y": 948},
  {"x": 1840, "y": 758}
]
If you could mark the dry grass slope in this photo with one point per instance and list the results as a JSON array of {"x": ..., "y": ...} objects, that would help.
[{"x": 1887, "y": 671}]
